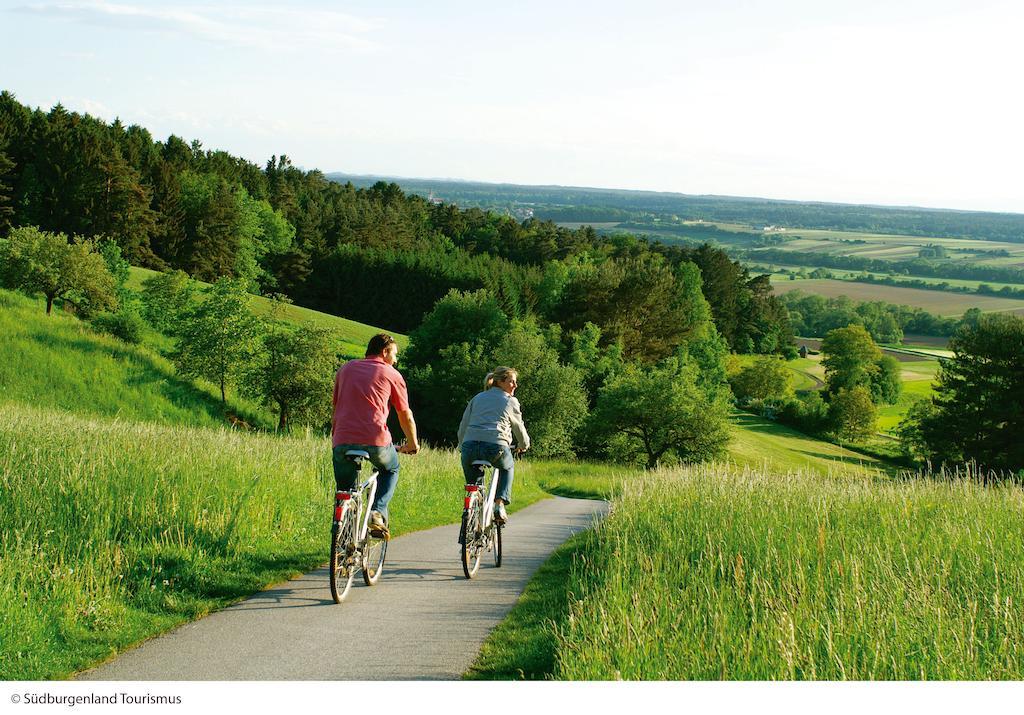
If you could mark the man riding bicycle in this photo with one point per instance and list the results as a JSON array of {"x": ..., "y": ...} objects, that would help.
[{"x": 363, "y": 391}]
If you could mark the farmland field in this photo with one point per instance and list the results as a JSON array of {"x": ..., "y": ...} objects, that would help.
[
  {"x": 775, "y": 269},
  {"x": 933, "y": 301}
]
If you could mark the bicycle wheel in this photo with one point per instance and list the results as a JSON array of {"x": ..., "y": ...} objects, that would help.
[
  {"x": 471, "y": 540},
  {"x": 497, "y": 546},
  {"x": 374, "y": 551},
  {"x": 343, "y": 556}
]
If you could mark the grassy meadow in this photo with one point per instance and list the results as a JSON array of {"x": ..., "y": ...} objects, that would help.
[
  {"x": 112, "y": 531},
  {"x": 58, "y": 361},
  {"x": 751, "y": 573}
]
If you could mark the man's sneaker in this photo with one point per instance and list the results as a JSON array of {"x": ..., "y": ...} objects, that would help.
[
  {"x": 378, "y": 527},
  {"x": 500, "y": 515}
]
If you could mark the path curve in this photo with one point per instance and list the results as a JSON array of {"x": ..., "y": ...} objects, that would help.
[{"x": 428, "y": 620}]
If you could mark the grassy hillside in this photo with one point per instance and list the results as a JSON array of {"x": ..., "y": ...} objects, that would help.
[
  {"x": 354, "y": 335},
  {"x": 57, "y": 361}
]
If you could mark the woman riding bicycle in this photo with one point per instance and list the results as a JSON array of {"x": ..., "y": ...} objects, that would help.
[{"x": 491, "y": 421}]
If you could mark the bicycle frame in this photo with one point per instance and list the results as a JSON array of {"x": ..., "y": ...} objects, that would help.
[
  {"x": 343, "y": 502},
  {"x": 488, "y": 506}
]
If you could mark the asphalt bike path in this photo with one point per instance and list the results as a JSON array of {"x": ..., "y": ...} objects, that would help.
[{"x": 422, "y": 621}]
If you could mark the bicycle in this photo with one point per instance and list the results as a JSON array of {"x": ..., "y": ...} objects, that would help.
[
  {"x": 352, "y": 547},
  {"x": 479, "y": 531}
]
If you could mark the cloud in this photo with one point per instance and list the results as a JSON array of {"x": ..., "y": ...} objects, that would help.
[{"x": 262, "y": 27}]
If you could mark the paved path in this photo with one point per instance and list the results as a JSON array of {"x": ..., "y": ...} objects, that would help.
[{"x": 427, "y": 619}]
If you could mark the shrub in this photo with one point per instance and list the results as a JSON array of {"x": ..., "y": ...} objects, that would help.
[{"x": 126, "y": 324}]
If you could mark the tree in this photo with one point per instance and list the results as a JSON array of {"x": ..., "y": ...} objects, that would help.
[
  {"x": 218, "y": 336},
  {"x": 767, "y": 378},
  {"x": 852, "y": 414},
  {"x": 551, "y": 394},
  {"x": 850, "y": 358},
  {"x": 35, "y": 261},
  {"x": 977, "y": 411},
  {"x": 639, "y": 302},
  {"x": 165, "y": 299},
  {"x": 648, "y": 414},
  {"x": 293, "y": 373},
  {"x": 886, "y": 382},
  {"x": 6, "y": 194}
]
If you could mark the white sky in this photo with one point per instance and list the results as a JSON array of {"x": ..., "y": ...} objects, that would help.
[{"x": 916, "y": 102}]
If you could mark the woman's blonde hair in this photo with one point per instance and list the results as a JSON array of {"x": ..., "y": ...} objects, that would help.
[{"x": 499, "y": 373}]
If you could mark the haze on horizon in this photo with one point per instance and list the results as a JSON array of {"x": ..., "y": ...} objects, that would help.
[{"x": 913, "y": 103}]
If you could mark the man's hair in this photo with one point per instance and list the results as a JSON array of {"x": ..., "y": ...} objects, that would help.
[{"x": 378, "y": 344}]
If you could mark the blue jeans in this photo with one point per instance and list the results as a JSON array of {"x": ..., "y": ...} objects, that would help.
[
  {"x": 497, "y": 454},
  {"x": 385, "y": 459}
]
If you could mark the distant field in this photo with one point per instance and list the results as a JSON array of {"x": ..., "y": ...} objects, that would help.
[
  {"x": 826, "y": 239},
  {"x": 934, "y": 301},
  {"x": 775, "y": 270}
]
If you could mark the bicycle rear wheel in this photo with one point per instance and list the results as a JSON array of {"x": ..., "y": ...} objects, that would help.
[
  {"x": 470, "y": 538},
  {"x": 497, "y": 546},
  {"x": 343, "y": 556},
  {"x": 374, "y": 551}
]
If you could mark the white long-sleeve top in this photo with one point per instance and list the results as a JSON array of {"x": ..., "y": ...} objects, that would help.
[{"x": 494, "y": 416}]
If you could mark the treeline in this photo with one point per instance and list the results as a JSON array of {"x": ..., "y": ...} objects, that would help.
[
  {"x": 815, "y": 315},
  {"x": 916, "y": 266},
  {"x": 374, "y": 254},
  {"x": 754, "y": 212}
]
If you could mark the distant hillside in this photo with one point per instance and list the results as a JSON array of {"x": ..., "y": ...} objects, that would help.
[{"x": 581, "y": 204}]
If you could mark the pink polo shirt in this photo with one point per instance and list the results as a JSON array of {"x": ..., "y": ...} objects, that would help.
[{"x": 363, "y": 389}]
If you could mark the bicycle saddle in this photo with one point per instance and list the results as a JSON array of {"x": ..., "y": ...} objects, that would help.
[
  {"x": 482, "y": 463},
  {"x": 357, "y": 455}
]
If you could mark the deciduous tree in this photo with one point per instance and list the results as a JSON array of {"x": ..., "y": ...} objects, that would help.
[
  {"x": 35, "y": 261},
  {"x": 219, "y": 336}
]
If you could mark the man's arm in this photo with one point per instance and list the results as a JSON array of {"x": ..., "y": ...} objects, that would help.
[{"x": 412, "y": 444}]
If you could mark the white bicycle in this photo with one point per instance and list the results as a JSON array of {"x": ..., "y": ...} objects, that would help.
[
  {"x": 352, "y": 546},
  {"x": 479, "y": 531}
]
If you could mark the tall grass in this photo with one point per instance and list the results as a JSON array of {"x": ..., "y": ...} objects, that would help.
[
  {"x": 711, "y": 572},
  {"x": 112, "y": 531}
]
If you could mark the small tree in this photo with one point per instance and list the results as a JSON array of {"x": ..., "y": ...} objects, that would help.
[
  {"x": 652, "y": 413},
  {"x": 218, "y": 337},
  {"x": 767, "y": 378},
  {"x": 886, "y": 383},
  {"x": 34, "y": 261},
  {"x": 850, "y": 357},
  {"x": 852, "y": 414},
  {"x": 166, "y": 298},
  {"x": 293, "y": 373}
]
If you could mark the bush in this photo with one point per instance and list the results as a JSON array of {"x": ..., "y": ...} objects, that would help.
[
  {"x": 126, "y": 324},
  {"x": 807, "y": 412}
]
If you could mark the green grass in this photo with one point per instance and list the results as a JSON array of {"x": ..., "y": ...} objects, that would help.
[
  {"x": 58, "y": 361},
  {"x": 113, "y": 531},
  {"x": 917, "y": 385},
  {"x": 704, "y": 573}
]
